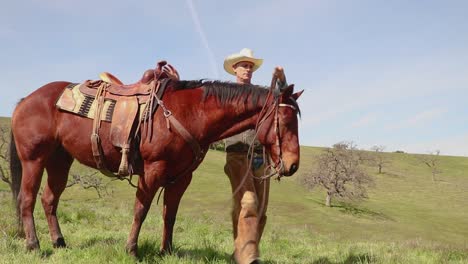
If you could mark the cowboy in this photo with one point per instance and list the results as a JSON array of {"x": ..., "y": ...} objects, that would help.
[{"x": 250, "y": 199}]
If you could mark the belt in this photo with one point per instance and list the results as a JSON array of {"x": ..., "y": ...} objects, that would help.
[{"x": 241, "y": 147}]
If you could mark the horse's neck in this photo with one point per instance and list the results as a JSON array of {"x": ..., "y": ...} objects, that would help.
[
  {"x": 214, "y": 120},
  {"x": 234, "y": 119}
]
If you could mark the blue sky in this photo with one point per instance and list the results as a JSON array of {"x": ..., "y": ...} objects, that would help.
[{"x": 391, "y": 73}]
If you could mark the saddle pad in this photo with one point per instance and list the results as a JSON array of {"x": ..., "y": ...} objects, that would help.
[{"x": 73, "y": 101}]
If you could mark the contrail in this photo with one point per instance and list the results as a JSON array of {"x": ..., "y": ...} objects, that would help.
[{"x": 201, "y": 33}]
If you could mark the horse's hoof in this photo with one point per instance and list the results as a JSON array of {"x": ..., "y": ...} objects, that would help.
[
  {"x": 20, "y": 232},
  {"x": 165, "y": 251},
  {"x": 132, "y": 250},
  {"x": 238, "y": 259},
  {"x": 59, "y": 243},
  {"x": 31, "y": 246}
]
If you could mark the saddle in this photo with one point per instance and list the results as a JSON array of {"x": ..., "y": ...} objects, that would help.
[
  {"x": 129, "y": 106},
  {"x": 147, "y": 77}
]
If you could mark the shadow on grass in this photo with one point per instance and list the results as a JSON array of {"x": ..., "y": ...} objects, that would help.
[
  {"x": 441, "y": 181},
  {"x": 46, "y": 253},
  {"x": 148, "y": 251},
  {"x": 105, "y": 241},
  {"x": 43, "y": 254},
  {"x": 352, "y": 259},
  {"x": 204, "y": 255},
  {"x": 348, "y": 208},
  {"x": 392, "y": 174}
]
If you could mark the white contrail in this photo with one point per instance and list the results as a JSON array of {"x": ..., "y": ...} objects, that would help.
[{"x": 201, "y": 33}]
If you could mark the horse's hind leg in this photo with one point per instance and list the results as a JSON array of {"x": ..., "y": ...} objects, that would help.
[
  {"x": 31, "y": 181},
  {"x": 172, "y": 196},
  {"x": 57, "y": 168}
]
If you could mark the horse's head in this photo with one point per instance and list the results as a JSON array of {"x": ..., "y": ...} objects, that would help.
[{"x": 278, "y": 130}]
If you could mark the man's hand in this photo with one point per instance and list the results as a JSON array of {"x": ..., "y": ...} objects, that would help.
[
  {"x": 171, "y": 72},
  {"x": 279, "y": 73},
  {"x": 163, "y": 67}
]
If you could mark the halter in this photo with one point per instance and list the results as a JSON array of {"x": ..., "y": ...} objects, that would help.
[
  {"x": 278, "y": 166},
  {"x": 266, "y": 111}
]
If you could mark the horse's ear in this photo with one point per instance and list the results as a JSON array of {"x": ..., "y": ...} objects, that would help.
[
  {"x": 296, "y": 95},
  {"x": 286, "y": 92}
]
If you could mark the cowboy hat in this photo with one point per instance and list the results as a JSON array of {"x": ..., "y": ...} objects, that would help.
[{"x": 244, "y": 55}]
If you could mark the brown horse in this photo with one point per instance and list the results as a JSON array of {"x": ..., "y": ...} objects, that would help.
[{"x": 49, "y": 138}]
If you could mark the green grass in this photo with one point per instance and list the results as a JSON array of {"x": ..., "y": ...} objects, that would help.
[
  {"x": 408, "y": 219},
  {"x": 5, "y": 120}
]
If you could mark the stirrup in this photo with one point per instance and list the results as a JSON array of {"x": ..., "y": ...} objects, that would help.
[{"x": 123, "y": 168}]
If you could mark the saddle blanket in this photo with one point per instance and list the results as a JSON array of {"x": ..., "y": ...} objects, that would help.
[{"x": 74, "y": 101}]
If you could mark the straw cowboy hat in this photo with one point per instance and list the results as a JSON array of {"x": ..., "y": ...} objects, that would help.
[{"x": 244, "y": 55}]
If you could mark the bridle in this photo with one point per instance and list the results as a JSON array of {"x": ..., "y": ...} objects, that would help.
[
  {"x": 199, "y": 153},
  {"x": 278, "y": 166}
]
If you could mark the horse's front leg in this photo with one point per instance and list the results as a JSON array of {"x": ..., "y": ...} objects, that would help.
[
  {"x": 147, "y": 187},
  {"x": 172, "y": 195}
]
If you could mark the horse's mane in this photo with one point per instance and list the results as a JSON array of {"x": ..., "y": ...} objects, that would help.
[{"x": 226, "y": 91}]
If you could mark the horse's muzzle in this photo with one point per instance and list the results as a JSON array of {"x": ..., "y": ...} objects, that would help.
[{"x": 289, "y": 172}]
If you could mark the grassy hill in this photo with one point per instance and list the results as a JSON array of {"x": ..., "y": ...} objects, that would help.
[
  {"x": 5, "y": 121},
  {"x": 407, "y": 219}
]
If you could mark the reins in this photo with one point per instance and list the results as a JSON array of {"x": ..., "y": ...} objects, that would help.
[
  {"x": 278, "y": 167},
  {"x": 199, "y": 153},
  {"x": 250, "y": 150},
  {"x": 262, "y": 118}
]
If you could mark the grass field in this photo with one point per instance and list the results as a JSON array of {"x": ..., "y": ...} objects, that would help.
[{"x": 407, "y": 219}]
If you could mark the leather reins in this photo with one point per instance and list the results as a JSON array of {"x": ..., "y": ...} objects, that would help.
[{"x": 263, "y": 116}]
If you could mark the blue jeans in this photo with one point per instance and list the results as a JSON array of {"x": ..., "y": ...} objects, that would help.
[{"x": 257, "y": 162}]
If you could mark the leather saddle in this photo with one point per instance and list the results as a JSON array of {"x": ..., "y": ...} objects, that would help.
[
  {"x": 130, "y": 103},
  {"x": 116, "y": 88}
]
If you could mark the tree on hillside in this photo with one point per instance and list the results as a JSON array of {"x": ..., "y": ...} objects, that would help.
[
  {"x": 379, "y": 159},
  {"x": 218, "y": 145},
  {"x": 5, "y": 158},
  {"x": 340, "y": 171},
  {"x": 432, "y": 160},
  {"x": 89, "y": 180}
]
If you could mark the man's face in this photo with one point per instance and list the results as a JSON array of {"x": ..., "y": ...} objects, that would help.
[{"x": 243, "y": 71}]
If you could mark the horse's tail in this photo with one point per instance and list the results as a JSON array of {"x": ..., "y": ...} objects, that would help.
[{"x": 16, "y": 173}]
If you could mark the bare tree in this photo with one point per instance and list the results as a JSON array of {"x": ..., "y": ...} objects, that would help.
[
  {"x": 218, "y": 145},
  {"x": 5, "y": 157},
  {"x": 379, "y": 159},
  {"x": 89, "y": 180},
  {"x": 432, "y": 160},
  {"x": 340, "y": 172}
]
